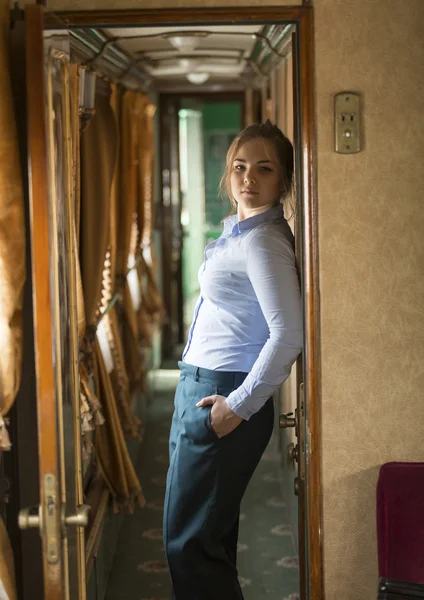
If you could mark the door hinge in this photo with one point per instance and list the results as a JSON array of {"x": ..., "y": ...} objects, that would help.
[{"x": 301, "y": 434}]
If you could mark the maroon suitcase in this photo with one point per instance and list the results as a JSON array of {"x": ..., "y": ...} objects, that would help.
[{"x": 400, "y": 521}]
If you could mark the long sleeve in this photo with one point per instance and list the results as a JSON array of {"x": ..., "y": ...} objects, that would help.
[{"x": 272, "y": 273}]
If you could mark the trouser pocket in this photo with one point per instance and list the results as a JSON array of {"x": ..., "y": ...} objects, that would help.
[{"x": 195, "y": 420}]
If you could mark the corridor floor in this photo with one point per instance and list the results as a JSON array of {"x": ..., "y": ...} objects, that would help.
[{"x": 266, "y": 563}]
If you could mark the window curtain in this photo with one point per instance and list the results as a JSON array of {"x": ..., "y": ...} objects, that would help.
[
  {"x": 7, "y": 572},
  {"x": 113, "y": 458},
  {"x": 12, "y": 273},
  {"x": 76, "y": 179},
  {"x": 146, "y": 160},
  {"x": 99, "y": 147},
  {"x": 99, "y": 144},
  {"x": 90, "y": 408},
  {"x": 151, "y": 312},
  {"x": 12, "y": 240},
  {"x": 119, "y": 375},
  {"x": 128, "y": 234}
]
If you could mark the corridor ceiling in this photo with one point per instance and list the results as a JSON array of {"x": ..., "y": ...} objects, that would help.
[{"x": 204, "y": 58}]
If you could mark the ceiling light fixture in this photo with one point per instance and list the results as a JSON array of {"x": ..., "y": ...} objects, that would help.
[
  {"x": 197, "y": 78},
  {"x": 188, "y": 63},
  {"x": 185, "y": 41},
  {"x": 184, "y": 44}
]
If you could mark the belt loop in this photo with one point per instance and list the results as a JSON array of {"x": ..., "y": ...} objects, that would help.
[{"x": 196, "y": 374}]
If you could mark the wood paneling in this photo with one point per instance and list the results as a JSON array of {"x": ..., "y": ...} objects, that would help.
[{"x": 165, "y": 16}]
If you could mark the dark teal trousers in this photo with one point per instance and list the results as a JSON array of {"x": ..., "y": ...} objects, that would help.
[{"x": 206, "y": 481}]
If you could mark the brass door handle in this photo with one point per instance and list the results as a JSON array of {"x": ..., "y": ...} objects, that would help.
[
  {"x": 26, "y": 520},
  {"x": 80, "y": 518},
  {"x": 286, "y": 420}
]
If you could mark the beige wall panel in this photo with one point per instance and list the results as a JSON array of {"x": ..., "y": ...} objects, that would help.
[
  {"x": 137, "y": 4},
  {"x": 371, "y": 224}
]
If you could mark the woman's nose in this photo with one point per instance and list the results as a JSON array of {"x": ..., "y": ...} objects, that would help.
[{"x": 248, "y": 177}]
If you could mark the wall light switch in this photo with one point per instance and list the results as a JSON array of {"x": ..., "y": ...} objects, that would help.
[{"x": 347, "y": 123}]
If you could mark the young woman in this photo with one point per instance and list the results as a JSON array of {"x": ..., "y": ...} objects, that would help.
[{"x": 245, "y": 336}]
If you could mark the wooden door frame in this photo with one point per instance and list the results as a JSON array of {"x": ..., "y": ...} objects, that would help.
[{"x": 302, "y": 17}]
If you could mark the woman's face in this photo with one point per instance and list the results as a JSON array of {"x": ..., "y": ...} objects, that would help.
[{"x": 255, "y": 175}]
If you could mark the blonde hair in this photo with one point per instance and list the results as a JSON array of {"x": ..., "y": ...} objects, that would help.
[{"x": 283, "y": 153}]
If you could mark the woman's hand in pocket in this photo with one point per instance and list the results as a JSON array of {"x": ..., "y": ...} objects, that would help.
[{"x": 223, "y": 419}]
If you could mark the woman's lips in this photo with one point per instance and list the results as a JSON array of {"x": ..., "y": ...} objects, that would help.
[{"x": 250, "y": 192}]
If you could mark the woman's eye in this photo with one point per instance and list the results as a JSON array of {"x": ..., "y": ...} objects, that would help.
[{"x": 242, "y": 168}]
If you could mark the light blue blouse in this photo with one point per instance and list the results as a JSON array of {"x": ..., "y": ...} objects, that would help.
[{"x": 248, "y": 316}]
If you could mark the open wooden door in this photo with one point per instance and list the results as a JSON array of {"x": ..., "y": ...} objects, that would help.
[
  {"x": 307, "y": 452},
  {"x": 61, "y": 514},
  {"x": 297, "y": 450},
  {"x": 299, "y": 453}
]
